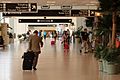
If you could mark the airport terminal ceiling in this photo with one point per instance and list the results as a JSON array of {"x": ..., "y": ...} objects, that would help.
[{"x": 55, "y": 2}]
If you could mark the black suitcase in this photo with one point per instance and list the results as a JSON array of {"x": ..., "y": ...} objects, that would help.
[
  {"x": 28, "y": 58},
  {"x": 1, "y": 40}
]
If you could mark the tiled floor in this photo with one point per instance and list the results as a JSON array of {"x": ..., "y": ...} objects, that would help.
[{"x": 54, "y": 64}]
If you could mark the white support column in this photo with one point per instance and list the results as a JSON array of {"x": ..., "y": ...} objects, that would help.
[{"x": 81, "y": 22}]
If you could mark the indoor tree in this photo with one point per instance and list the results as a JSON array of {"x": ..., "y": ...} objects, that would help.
[
  {"x": 110, "y": 7},
  {"x": 109, "y": 55}
]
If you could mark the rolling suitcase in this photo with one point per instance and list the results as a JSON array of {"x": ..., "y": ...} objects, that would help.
[
  {"x": 1, "y": 40},
  {"x": 52, "y": 42},
  {"x": 28, "y": 58}
]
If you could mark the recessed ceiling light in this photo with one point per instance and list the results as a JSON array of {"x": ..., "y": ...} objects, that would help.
[
  {"x": 51, "y": 2},
  {"x": 95, "y": 2},
  {"x": 89, "y": 4},
  {"x": 6, "y": 1}
]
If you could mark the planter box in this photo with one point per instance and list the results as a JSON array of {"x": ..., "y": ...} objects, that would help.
[
  {"x": 100, "y": 66},
  {"x": 104, "y": 65},
  {"x": 112, "y": 68}
]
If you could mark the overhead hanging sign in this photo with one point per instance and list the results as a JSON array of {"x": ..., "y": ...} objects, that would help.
[
  {"x": 66, "y": 7},
  {"x": 79, "y": 12},
  {"x": 18, "y": 7},
  {"x": 45, "y": 20},
  {"x": 33, "y": 7}
]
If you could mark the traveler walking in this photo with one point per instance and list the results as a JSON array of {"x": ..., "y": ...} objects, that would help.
[
  {"x": 35, "y": 44},
  {"x": 85, "y": 39}
]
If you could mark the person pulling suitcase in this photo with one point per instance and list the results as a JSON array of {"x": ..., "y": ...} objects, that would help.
[{"x": 35, "y": 44}]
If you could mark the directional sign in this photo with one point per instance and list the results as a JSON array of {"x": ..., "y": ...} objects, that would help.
[
  {"x": 45, "y": 20},
  {"x": 79, "y": 12},
  {"x": 17, "y": 7},
  {"x": 33, "y": 7},
  {"x": 20, "y": 7}
]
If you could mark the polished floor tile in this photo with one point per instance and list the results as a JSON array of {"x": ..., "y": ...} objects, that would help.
[{"x": 54, "y": 63}]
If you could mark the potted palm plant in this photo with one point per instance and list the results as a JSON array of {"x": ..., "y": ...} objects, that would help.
[
  {"x": 98, "y": 54},
  {"x": 112, "y": 60},
  {"x": 108, "y": 58}
]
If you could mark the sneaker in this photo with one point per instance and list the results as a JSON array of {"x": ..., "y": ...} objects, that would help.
[
  {"x": 80, "y": 51},
  {"x": 85, "y": 52},
  {"x": 34, "y": 68}
]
